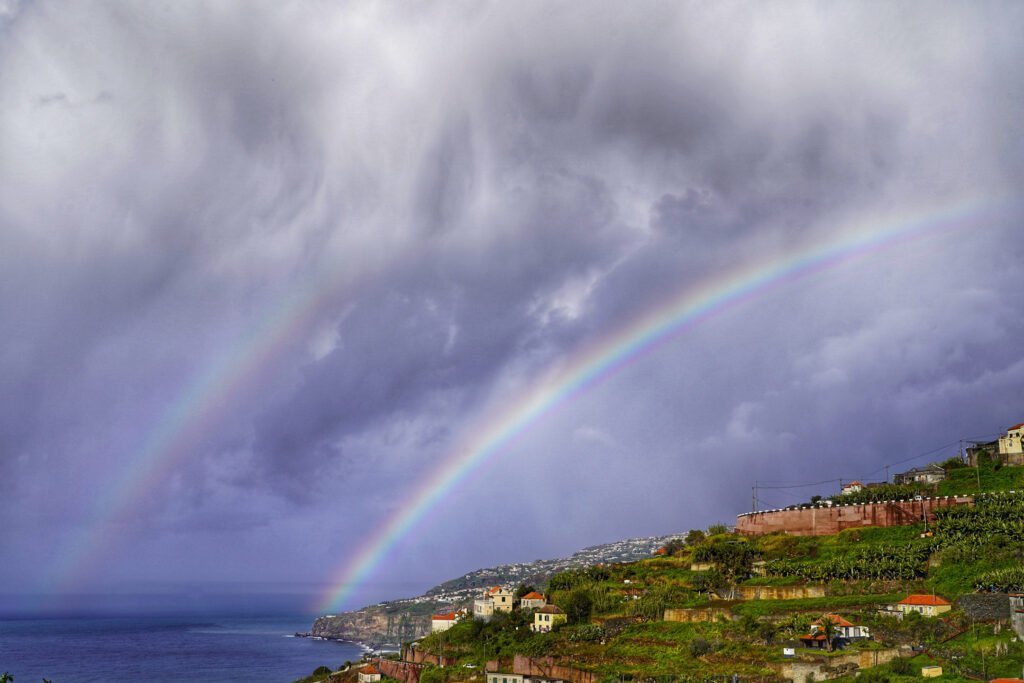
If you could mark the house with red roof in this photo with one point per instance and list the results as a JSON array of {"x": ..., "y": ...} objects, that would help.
[
  {"x": 1011, "y": 446},
  {"x": 369, "y": 674},
  {"x": 532, "y": 600},
  {"x": 926, "y": 605},
  {"x": 844, "y": 632},
  {"x": 443, "y": 622},
  {"x": 852, "y": 487}
]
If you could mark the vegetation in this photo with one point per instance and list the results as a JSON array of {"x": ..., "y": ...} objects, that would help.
[{"x": 616, "y": 613}]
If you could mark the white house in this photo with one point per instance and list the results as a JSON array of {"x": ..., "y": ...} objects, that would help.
[
  {"x": 852, "y": 487},
  {"x": 443, "y": 622},
  {"x": 369, "y": 674}
]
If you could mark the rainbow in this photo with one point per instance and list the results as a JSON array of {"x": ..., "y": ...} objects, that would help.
[
  {"x": 641, "y": 336},
  {"x": 196, "y": 409}
]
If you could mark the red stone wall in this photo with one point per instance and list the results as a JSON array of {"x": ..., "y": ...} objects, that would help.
[
  {"x": 406, "y": 672},
  {"x": 822, "y": 521},
  {"x": 546, "y": 667}
]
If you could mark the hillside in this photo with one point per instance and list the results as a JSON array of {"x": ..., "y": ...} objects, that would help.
[
  {"x": 393, "y": 622},
  {"x": 771, "y": 607}
]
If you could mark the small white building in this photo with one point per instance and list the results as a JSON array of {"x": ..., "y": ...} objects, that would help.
[
  {"x": 852, "y": 487},
  {"x": 369, "y": 674},
  {"x": 499, "y": 677},
  {"x": 443, "y": 622},
  {"x": 483, "y": 608}
]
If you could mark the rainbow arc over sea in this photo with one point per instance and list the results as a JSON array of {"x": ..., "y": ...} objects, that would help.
[{"x": 658, "y": 325}]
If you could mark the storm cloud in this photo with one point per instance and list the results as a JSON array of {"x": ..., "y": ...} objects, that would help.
[{"x": 297, "y": 253}]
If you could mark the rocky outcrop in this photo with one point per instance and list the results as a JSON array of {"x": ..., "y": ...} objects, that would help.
[{"x": 376, "y": 626}]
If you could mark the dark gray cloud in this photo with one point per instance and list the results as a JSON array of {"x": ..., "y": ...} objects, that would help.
[{"x": 321, "y": 245}]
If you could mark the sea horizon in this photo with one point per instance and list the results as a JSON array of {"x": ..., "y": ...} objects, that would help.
[{"x": 204, "y": 646}]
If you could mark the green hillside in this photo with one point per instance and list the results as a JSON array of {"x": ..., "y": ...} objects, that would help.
[{"x": 617, "y": 627}]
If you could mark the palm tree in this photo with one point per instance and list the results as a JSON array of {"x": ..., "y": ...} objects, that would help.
[
  {"x": 828, "y": 629},
  {"x": 6, "y": 677}
]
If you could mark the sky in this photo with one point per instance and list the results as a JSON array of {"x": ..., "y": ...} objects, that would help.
[{"x": 270, "y": 270}]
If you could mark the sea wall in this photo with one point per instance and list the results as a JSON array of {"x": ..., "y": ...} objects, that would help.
[{"x": 827, "y": 520}]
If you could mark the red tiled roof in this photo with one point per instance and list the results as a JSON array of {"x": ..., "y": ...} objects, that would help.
[
  {"x": 1015, "y": 427},
  {"x": 853, "y": 483},
  {"x": 919, "y": 599},
  {"x": 369, "y": 670},
  {"x": 550, "y": 609},
  {"x": 444, "y": 617},
  {"x": 494, "y": 590},
  {"x": 660, "y": 551},
  {"x": 533, "y": 596},
  {"x": 813, "y": 636},
  {"x": 835, "y": 619}
]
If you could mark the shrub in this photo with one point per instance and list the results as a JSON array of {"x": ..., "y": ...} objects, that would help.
[{"x": 699, "y": 647}]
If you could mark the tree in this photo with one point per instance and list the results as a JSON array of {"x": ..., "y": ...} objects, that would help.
[
  {"x": 673, "y": 547},
  {"x": 767, "y": 632},
  {"x": 6, "y": 677},
  {"x": 828, "y": 628},
  {"x": 716, "y": 529},
  {"x": 694, "y": 536},
  {"x": 577, "y": 606}
]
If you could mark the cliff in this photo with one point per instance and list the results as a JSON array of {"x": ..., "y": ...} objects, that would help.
[
  {"x": 389, "y": 624},
  {"x": 394, "y": 622}
]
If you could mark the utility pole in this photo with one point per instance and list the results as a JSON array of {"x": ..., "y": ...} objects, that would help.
[
  {"x": 886, "y": 474},
  {"x": 753, "y": 497}
]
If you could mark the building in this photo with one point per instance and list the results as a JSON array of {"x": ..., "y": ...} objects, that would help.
[
  {"x": 483, "y": 608},
  {"x": 546, "y": 618},
  {"x": 987, "y": 449},
  {"x": 369, "y": 674},
  {"x": 499, "y": 677},
  {"x": 501, "y": 598},
  {"x": 532, "y": 600},
  {"x": 931, "y": 671},
  {"x": 852, "y": 487},
  {"x": 929, "y": 474},
  {"x": 926, "y": 605},
  {"x": 1011, "y": 446},
  {"x": 844, "y": 632},
  {"x": 443, "y": 622}
]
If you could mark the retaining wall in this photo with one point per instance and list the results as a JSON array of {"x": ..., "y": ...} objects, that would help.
[
  {"x": 407, "y": 672},
  {"x": 690, "y": 616},
  {"x": 546, "y": 667},
  {"x": 827, "y": 520},
  {"x": 824, "y": 668},
  {"x": 781, "y": 592}
]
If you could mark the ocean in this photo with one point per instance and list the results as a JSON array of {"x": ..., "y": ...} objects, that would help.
[{"x": 202, "y": 649}]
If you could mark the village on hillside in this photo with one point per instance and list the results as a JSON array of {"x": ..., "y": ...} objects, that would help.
[{"x": 921, "y": 577}]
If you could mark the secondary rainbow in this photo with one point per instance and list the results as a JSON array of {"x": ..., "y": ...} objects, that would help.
[
  {"x": 204, "y": 399},
  {"x": 640, "y": 336}
]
